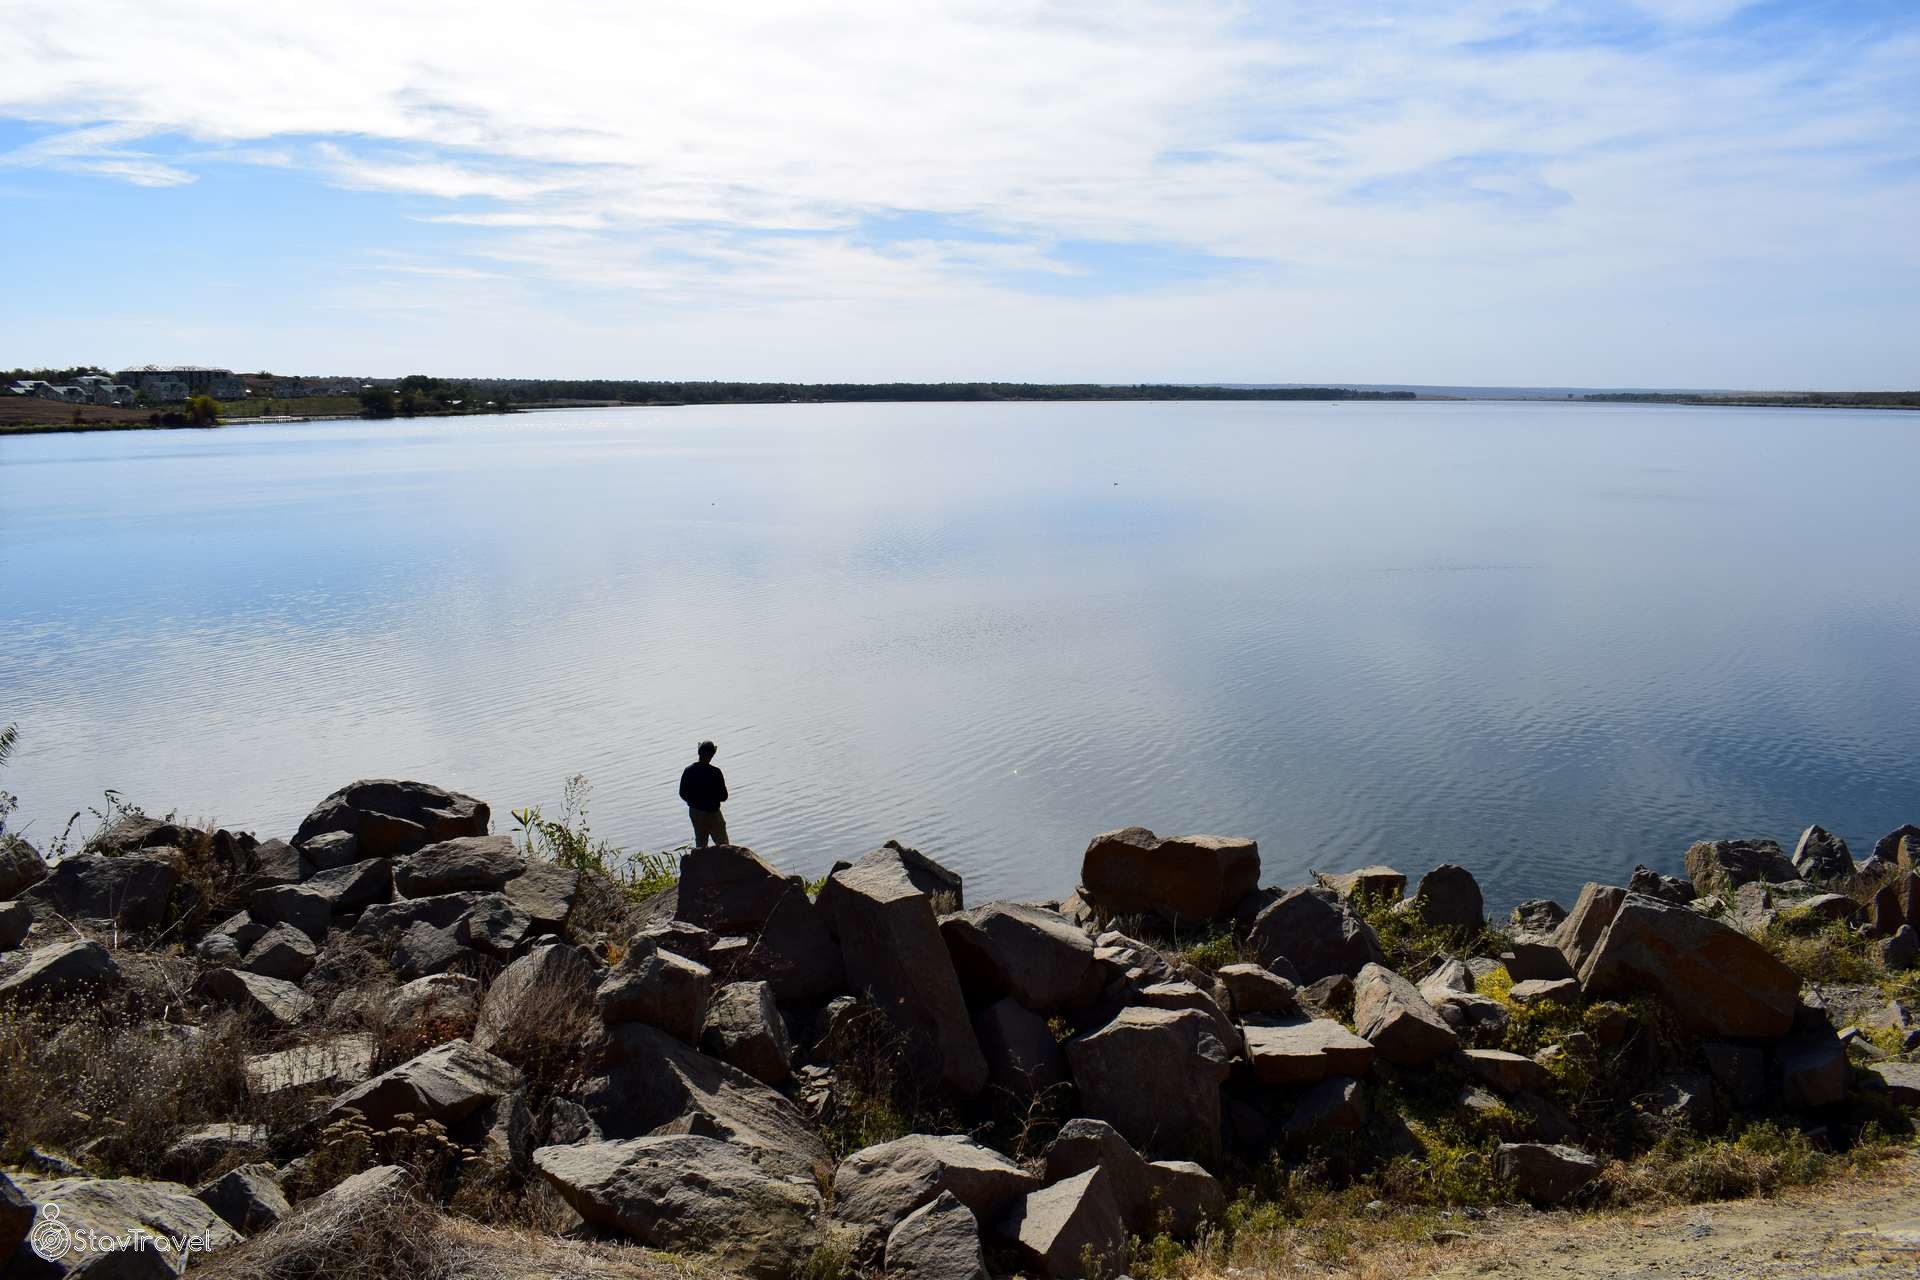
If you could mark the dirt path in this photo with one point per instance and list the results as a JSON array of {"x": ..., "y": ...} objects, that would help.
[{"x": 1859, "y": 1227}]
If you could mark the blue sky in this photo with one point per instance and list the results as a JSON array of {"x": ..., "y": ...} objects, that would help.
[{"x": 1682, "y": 193}]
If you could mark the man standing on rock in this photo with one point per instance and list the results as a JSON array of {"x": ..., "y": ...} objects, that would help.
[{"x": 704, "y": 788}]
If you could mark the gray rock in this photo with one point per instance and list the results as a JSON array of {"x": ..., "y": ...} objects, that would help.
[
  {"x": 1070, "y": 1229},
  {"x": 556, "y": 976},
  {"x": 247, "y": 1198},
  {"x": 1821, "y": 856},
  {"x": 1666, "y": 888},
  {"x": 388, "y": 920},
  {"x": 793, "y": 952},
  {"x": 274, "y": 862},
  {"x": 730, "y": 889},
  {"x": 1372, "y": 883},
  {"x": 1898, "y": 848},
  {"x": 357, "y": 885},
  {"x": 390, "y": 818},
  {"x": 1587, "y": 923},
  {"x": 1391, "y": 1015},
  {"x": 1813, "y": 1071},
  {"x": 1508, "y": 1072},
  {"x": 1011, "y": 949},
  {"x": 447, "y": 1083},
  {"x": 1084, "y": 1144},
  {"x": 449, "y": 1001},
  {"x": 1546, "y": 1173},
  {"x": 330, "y": 850},
  {"x": 1155, "y": 1076},
  {"x": 1176, "y": 880},
  {"x": 1248, "y": 990},
  {"x": 1290, "y": 1053},
  {"x": 1449, "y": 897},
  {"x": 1185, "y": 995},
  {"x": 690, "y": 1195},
  {"x": 938, "y": 1241},
  {"x": 1902, "y": 1081},
  {"x": 133, "y": 890},
  {"x": 308, "y": 910},
  {"x": 1023, "y": 1058},
  {"x": 62, "y": 971},
  {"x": 882, "y": 911},
  {"x": 496, "y": 927},
  {"x": 283, "y": 952},
  {"x": 1185, "y": 1198},
  {"x": 423, "y": 949},
  {"x": 1721, "y": 866},
  {"x": 1901, "y": 949},
  {"x": 1537, "y": 915},
  {"x": 261, "y": 999},
  {"x": 744, "y": 1029},
  {"x": 16, "y": 921},
  {"x": 1315, "y": 931},
  {"x": 119, "y": 1208},
  {"x": 546, "y": 892},
  {"x": 464, "y": 864},
  {"x": 1544, "y": 991},
  {"x": 647, "y": 1079},
  {"x": 329, "y": 1063},
  {"x": 1333, "y": 992},
  {"x": 877, "y": 1187},
  {"x": 1331, "y": 1107},
  {"x": 660, "y": 989},
  {"x": 200, "y": 1148},
  {"x": 1718, "y": 981},
  {"x": 21, "y": 867},
  {"x": 366, "y": 1192}
]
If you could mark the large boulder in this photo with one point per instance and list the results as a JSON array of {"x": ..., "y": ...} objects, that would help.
[
  {"x": 1011, "y": 949},
  {"x": 328, "y": 1063},
  {"x": 730, "y": 889},
  {"x": 447, "y": 1083},
  {"x": 1287, "y": 1053},
  {"x": 21, "y": 866},
  {"x": 198, "y": 1149},
  {"x": 1071, "y": 1230},
  {"x": 1580, "y": 932},
  {"x": 1821, "y": 856},
  {"x": 1391, "y": 1015},
  {"x": 387, "y": 818},
  {"x": 282, "y": 952},
  {"x": 466, "y": 863},
  {"x": 793, "y": 952},
  {"x": 1176, "y": 880},
  {"x": 659, "y": 988},
  {"x": 109, "y": 1212},
  {"x": 247, "y": 1198},
  {"x": 1155, "y": 1075},
  {"x": 270, "y": 1001},
  {"x": 548, "y": 980},
  {"x": 356, "y": 885},
  {"x": 1898, "y": 848},
  {"x": 1546, "y": 1173},
  {"x": 689, "y": 1194},
  {"x": 1248, "y": 990},
  {"x": 645, "y": 1079},
  {"x": 1718, "y": 867},
  {"x": 882, "y": 910},
  {"x": 546, "y": 893},
  {"x": 386, "y": 921},
  {"x": 877, "y": 1187},
  {"x": 16, "y": 921},
  {"x": 744, "y": 1029},
  {"x": 1717, "y": 980},
  {"x": 1023, "y": 1058},
  {"x": 1314, "y": 930},
  {"x": 1333, "y": 1107},
  {"x": 61, "y": 971},
  {"x": 1084, "y": 1144},
  {"x": 1371, "y": 883},
  {"x": 132, "y": 890},
  {"x": 938, "y": 1241},
  {"x": 1449, "y": 897},
  {"x": 308, "y": 910},
  {"x": 1813, "y": 1070}
]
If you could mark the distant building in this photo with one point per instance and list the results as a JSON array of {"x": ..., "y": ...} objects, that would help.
[
  {"x": 105, "y": 390},
  {"x": 178, "y": 381}
]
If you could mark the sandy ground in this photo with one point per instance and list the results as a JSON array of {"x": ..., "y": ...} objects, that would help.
[{"x": 1858, "y": 1227}]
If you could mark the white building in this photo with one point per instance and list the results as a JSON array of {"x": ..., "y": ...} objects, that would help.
[
  {"x": 102, "y": 390},
  {"x": 178, "y": 381}
]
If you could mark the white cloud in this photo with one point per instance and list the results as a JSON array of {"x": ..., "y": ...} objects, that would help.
[{"x": 612, "y": 147}]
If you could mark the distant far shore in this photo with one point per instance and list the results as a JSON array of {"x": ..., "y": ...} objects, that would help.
[{"x": 25, "y": 416}]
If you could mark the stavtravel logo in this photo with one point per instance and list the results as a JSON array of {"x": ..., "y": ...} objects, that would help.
[{"x": 53, "y": 1239}]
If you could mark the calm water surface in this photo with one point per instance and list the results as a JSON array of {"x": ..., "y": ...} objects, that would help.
[{"x": 1545, "y": 641}]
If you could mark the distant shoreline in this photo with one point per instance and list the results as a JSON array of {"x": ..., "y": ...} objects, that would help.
[{"x": 1210, "y": 394}]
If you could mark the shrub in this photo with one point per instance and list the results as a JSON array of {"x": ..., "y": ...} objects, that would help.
[
  {"x": 569, "y": 841},
  {"x": 1412, "y": 946}
]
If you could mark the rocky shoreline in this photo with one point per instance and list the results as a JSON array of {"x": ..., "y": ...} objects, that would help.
[{"x": 395, "y": 1007}]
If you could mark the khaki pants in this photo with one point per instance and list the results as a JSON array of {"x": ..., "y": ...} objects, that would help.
[{"x": 707, "y": 825}]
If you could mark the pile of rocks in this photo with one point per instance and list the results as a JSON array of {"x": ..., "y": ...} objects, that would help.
[{"x": 723, "y": 1030}]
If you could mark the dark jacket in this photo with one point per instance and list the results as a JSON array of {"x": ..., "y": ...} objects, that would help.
[{"x": 703, "y": 787}]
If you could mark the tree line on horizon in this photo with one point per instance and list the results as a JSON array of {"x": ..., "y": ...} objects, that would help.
[{"x": 527, "y": 390}]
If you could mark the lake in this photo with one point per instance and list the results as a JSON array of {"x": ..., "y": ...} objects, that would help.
[{"x": 1547, "y": 641}]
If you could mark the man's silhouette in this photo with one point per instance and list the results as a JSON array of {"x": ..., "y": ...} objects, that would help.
[{"x": 704, "y": 788}]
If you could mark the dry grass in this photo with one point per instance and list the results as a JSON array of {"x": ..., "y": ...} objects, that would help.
[{"x": 399, "y": 1237}]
